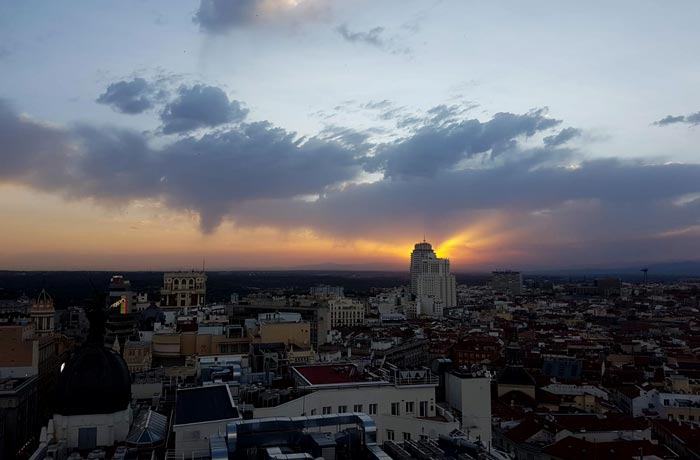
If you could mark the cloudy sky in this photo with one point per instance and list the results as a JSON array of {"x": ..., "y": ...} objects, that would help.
[{"x": 285, "y": 133}]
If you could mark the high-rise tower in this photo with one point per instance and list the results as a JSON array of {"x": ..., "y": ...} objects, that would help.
[
  {"x": 421, "y": 251},
  {"x": 431, "y": 279}
]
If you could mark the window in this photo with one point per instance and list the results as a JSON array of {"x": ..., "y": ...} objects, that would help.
[
  {"x": 372, "y": 409},
  {"x": 342, "y": 409},
  {"x": 389, "y": 435},
  {"x": 357, "y": 408},
  {"x": 423, "y": 409},
  {"x": 326, "y": 410},
  {"x": 395, "y": 408},
  {"x": 406, "y": 436},
  {"x": 313, "y": 411},
  {"x": 409, "y": 407}
]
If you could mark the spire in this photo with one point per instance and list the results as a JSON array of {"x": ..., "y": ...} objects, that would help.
[
  {"x": 115, "y": 346},
  {"x": 513, "y": 357}
]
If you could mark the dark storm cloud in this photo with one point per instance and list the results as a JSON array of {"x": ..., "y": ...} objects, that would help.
[
  {"x": 599, "y": 208},
  {"x": 200, "y": 106},
  {"x": 131, "y": 97},
  {"x": 692, "y": 119},
  {"x": 208, "y": 175},
  {"x": 444, "y": 142},
  {"x": 254, "y": 173}
]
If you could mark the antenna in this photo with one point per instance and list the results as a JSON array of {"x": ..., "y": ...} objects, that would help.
[
  {"x": 645, "y": 270},
  {"x": 203, "y": 259}
]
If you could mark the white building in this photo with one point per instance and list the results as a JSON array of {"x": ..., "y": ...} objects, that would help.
[
  {"x": 430, "y": 277},
  {"x": 402, "y": 402},
  {"x": 346, "y": 312},
  {"x": 470, "y": 394}
]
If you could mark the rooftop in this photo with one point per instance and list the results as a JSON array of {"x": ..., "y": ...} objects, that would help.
[
  {"x": 204, "y": 404},
  {"x": 338, "y": 374}
]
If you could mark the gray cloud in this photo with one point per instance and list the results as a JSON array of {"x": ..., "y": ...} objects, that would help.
[
  {"x": 373, "y": 37},
  {"x": 222, "y": 16},
  {"x": 602, "y": 211},
  {"x": 444, "y": 142},
  {"x": 253, "y": 173},
  {"x": 200, "y": 106},
  {"x": 693, "y": 119},
  {"x": 562, "y": 137},
  {"x": 218, "y": 16},
  {"x": 130, "y": 97},
  {"x": 208, "y": 175}
]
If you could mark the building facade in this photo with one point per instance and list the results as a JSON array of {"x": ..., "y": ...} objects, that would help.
[
  {"x": 431, "y": 278},
  {"x": 183, "y": 289},
  {"x": 346, "y": 312},
  {"x": 507, "y": 282}
]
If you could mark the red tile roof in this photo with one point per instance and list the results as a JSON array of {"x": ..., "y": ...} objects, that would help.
[{"x": 571, "y": 448}]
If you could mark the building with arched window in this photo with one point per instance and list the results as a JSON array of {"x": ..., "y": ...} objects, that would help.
[{"x": 183, "y": 289}]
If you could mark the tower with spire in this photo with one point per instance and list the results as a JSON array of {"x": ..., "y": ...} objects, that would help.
[{"x": 515, "y": 378}]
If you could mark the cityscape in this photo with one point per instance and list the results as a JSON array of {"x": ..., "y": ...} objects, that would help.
[
  {"x": 349, "y": 230},
  {"x": 516, "y": 367}
]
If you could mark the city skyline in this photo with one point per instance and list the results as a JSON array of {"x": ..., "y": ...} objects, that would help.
[{"x": 286, "y": 134}]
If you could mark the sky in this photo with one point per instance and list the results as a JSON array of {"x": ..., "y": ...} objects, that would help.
[{"x": 275, "y": 134}]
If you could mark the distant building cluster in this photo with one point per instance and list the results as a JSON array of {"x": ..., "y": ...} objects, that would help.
[{"x": 511, "y": 368}]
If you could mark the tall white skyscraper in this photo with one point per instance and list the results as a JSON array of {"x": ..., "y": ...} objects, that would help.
[
  {"x": 421, "y": 251},
  {"x": 430, "y": 277}
]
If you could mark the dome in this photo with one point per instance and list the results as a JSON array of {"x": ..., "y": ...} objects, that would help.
[
  {"x": 96, "y": 379},
  {"x": 515, "y": 375},
  {"x": 43, "y": 302}
]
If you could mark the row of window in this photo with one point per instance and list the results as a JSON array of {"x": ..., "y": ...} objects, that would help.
[
  {"x": 372, "y": 409},
  {"x": 343, "y": 409},
  {"x": 391, "y": 436}
]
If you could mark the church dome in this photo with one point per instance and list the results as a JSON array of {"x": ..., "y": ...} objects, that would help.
[
  {"x": 96, "y": 379},
  {"x": 43, "y": 302},
  {"x": 515, "y": 375}
]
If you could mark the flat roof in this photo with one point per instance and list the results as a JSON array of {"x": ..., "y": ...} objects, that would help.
[
  {"x": 331, "y": 374},
  {"x": 204, "y": 404}
]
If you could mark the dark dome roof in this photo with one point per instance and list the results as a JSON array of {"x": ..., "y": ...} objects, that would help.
[
  {"x": 515, "y": 375},
  {"x": 96, "y": 380}
]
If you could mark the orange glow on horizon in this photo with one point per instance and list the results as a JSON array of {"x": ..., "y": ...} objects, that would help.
[{"x": 48, "y": 232}]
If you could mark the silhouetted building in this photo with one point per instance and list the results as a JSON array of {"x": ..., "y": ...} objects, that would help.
[
  {"x": 19, "y": 423},
  {"x": 507, "y": 282}
]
